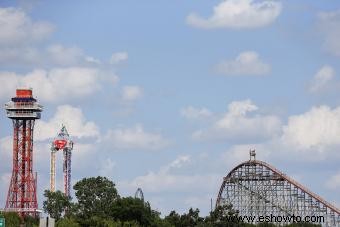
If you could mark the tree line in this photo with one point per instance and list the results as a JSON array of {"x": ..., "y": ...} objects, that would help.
[{"x": 98, "y": 204}]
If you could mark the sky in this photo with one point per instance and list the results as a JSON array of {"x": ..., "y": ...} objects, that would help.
[{"x": 169, "y": 96}]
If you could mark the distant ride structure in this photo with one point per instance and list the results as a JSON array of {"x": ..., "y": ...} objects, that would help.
[
  {"x": 139, "y": 194},
  {"x": 62, "y": 143},
  {"x": 255, "y": 188},
  {"x": 23, "y": 110}
]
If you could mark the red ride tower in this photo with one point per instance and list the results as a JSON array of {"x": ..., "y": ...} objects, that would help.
[
  {"x": 22, "y": 192},
  {"x": 62, "y": 142}
]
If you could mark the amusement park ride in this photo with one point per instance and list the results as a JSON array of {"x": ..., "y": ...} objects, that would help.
[
  {"x": 62, "y": 143},
  {"x": 253, "y": 188}
]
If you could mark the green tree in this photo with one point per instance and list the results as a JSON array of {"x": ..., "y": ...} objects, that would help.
[
  {"x": 56, "y": 203},
  {"x": 67, "y": 222},
  {"x": 223, "y": 216},
  {"x": 173, "y": 218},
  {"x": 12, "y": 219},
  {"x": 265, "y": 224},
  {"x": 31, "y": 221},
  {"x": 132, "y": 209},
  {"x": 96, "y": 197},
  {"x": 303, "y": 224},
  {"x": 191, "y": 219}
]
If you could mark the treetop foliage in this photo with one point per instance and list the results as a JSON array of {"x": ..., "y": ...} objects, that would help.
[{"x": 99, "y": 204}]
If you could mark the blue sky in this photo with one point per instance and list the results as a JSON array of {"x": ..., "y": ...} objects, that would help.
[{"x": 170, "y": 95}]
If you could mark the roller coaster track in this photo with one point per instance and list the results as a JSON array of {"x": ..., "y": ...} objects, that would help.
[{"x": 274, "y": 191}]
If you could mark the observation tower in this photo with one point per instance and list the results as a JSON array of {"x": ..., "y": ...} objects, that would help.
[{"x": 23, "y": 109}]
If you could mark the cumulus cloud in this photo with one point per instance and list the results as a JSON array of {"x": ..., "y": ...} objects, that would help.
[
  {"x": 235, "y": 121},
  {"x": 74, "y": 120},
  {"x": 106, "y": 168},
  {"x": 58, "y": 54},
  {"x": 322, "y": 79},
  {"x": 237, "y": 154},
  {"x": 311, "y": 136},
  {"x": 238, "y": 124},
  {"x": 90, "y": 59},
  {"x": 163, "y": 182},
  {"x": 246, "y": 63},
  {"x": 179, "y": 186},
  {"x": 166, "y": 181},
  {"x": 136, "y": 138},
  {"x": 195, "y": 113},
  {"x": 20, "y": 55},
  {"x": 20, "y": 38},
  {"x": 59, "y": 83},
  {"x": 52, "y": 55},
  {"x": 177, "y": 163},
  {"x": 329, "y": 26},
  {"x": 18, "y": 29},
  {"x": 118, "y": 57},
  {"x": 318, "y": 127},
  {"x": 238, "y": 14},
  {"x": 131, "y": 93}
]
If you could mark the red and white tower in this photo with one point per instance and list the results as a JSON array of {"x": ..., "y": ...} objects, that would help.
[
  {"x": 62, "y": 142},
  {"x": 22, "y": 192}
]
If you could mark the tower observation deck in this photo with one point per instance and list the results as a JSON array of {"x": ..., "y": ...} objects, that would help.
[{"x": 23, "y": 109}]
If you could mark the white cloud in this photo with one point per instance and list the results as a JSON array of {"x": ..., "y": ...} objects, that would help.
[
  {"x": 19, "y": 39},
  {"x": 17, "y": 28},
  {"x": 236, "y": 124},
  {"x": 59, "y": 83},
  {"x": 318, "y": 127},
  {"x": 92, "y": 60},
  {"x": 238, "y": 14},
  {"x": 52, "y": 55},
  {"x": 179, "y": 162},
  {"x": 322, "y": 79},
  {"x": 118, "y": 57},
  {"x": 131, "y": 93},
  {"x": 329, "y": 26},
  {"x": 107, "y": 167},
  {"x": 63, "y": 56},
  {"x": 74, "y": 120},
  {"x": 246, "y": 63},
  {"x": 240, "y": 108},
  {"x": 334, "y": 182},
  {"x": 237, "y": 154},
  {"x": 165, "y": 181},
  {"x": 136, "y": 138},
  {"x": 21, "y": 44},
  {"x": 179, "y": 186},
  {"x": 311, "y": 137},
  {"x": 195, "y": 113},
  {"x": 20, "y": 55}
]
